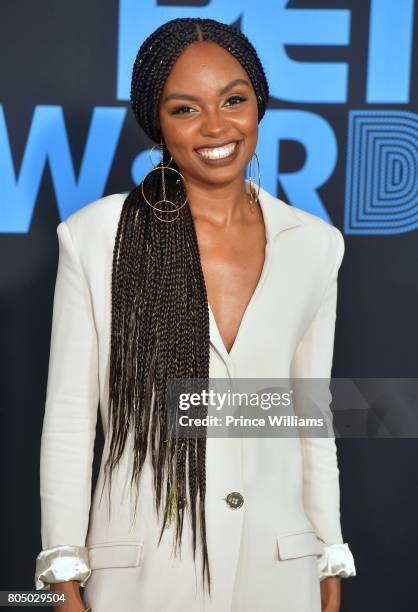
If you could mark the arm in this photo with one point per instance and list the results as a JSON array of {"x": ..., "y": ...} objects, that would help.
[
  {"x": 69, "y": 425},
  {"x": 313, "y": 359}
]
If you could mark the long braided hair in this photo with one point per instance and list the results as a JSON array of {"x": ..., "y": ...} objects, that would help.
[{"x": 160, "y": 316}]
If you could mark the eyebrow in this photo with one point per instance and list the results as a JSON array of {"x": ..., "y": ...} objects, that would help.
[{"x": 185, "y": 96}]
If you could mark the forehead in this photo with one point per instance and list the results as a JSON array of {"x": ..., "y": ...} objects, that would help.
[{"x": 204, "y": 65}]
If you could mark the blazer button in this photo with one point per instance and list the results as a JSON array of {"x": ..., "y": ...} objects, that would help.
[{"x": 234, "y": 499}]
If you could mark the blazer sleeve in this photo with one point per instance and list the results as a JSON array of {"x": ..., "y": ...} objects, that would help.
[
  {"x": 313, "y": 359},
  {"x": 69, "y": 425}
]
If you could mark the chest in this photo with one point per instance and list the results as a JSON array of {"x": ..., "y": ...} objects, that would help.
[{"x": 232, "y": 267}]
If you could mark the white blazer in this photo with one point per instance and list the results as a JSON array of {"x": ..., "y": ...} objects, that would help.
[{"x": 270, "y": 553}]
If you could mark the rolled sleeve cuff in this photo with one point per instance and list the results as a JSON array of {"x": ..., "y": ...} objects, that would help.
[
  {"x": 336, "y": 560},
  {"x": 62, "y": 564}
]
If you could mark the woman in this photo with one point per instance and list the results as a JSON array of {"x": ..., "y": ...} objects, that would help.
[{"x": 206, "y": 281}]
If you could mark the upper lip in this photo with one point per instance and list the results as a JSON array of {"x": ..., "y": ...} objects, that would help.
[{"x": 218, "y": 144}]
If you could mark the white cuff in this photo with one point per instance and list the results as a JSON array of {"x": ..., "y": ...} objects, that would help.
[
  {"x": 336, "y": 560},
  {"x": 61, "y": 564}
]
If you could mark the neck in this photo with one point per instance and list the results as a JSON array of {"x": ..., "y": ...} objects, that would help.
[{"x": 220, "y": 205}]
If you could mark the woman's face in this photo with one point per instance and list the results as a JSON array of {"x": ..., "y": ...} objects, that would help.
[{"x": 208, "y": 115}]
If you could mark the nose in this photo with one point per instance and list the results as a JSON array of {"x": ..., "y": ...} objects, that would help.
[{"x": 213, "y": 123}]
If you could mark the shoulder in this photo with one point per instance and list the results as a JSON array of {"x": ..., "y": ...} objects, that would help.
[
  {"x": 314, "y": 238},
  {"x": 320, "y": 231},
  {"x": 324, "y": 241},
  {"x": 97, "y": 219},
  {"x": 88, "y": 234},
  {"x": 96, "y": 214}
]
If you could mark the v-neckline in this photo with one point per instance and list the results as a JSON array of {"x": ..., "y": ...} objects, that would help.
[{"x": 216, "y": 337}]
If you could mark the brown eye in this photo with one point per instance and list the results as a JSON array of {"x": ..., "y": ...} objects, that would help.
[
  {"x": 181, "y": 110},
  {"x": 239, "y": 99}
]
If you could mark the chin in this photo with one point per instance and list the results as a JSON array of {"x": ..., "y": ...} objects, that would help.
[{"x": 221, "y": 176}]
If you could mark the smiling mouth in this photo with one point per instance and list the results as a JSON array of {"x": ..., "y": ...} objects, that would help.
[{"x": 222, "y": 152}]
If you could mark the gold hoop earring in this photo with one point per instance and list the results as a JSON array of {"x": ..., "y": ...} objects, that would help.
[
  {"x": 253, "y": 195},
  {"x": 160, "y": 146},
  {"x": 164, "y": 199}
]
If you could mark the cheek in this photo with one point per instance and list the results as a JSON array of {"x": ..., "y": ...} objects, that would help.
[
  {"x": 247, "y": 123},
  {"x": 180, "y": 139},
  {"x": 177, "y": 133},
  {"x": 183, "y": 137},
  {"x": 252, "y": 128}
]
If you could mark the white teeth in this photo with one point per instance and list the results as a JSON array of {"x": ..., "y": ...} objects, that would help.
[{"x": 218, "y": 152}]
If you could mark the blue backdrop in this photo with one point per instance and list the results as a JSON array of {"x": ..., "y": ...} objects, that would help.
[{"x": 339, "y": 139}]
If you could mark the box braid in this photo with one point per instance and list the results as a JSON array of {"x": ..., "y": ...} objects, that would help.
[{"x": 160, "y": 316}]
